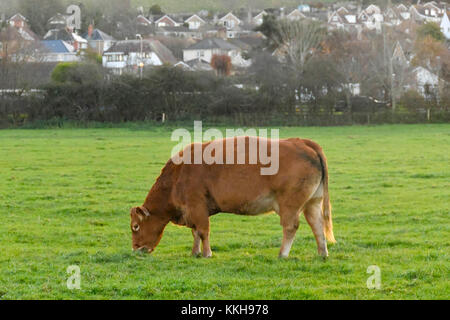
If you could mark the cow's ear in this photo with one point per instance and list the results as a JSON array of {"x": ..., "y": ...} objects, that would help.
[{"x": 143, "y": 210}]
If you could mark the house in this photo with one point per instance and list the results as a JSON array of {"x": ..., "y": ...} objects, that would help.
[
  {"x": 295, "y": 14},
  {"x": 58, "y": 21},
  {"x": 229, "y": 21},
  {"x": 143, "y": 21},
  {"x": 304, "y": 8},
  {"x": 199, "y": 64},
  {"x": 363, "y": 17},
  {"x": 128, "y": 55},
  {"x": 237, "y": 32},
  {"x": 375, "y": 22},
  {"x": 403, "y": 11},
  {"x": 17, "y": 40},
  {"x": 429, "y": 12},
  {"x": 58, "y": 34},
  {"x": 398, "y": 55},
  {"x": 166, "y": 21},
  {"x": 391, "y": 17},
  {"x": 58, "y": 51},
  {"x": 445, "y": 26},
  {"x": 373, "y": 9},
  {"x": 208, "y": 47},
  {"x": 194, "y": 22},
  {"x": 178, "y": 32},
  {"x": 183, "y": 66},
  {"x": 259, "y": 18},
  {"x": 75, "y": 40},
  {"x": 18, "y": 21},
  {"x": 16, "y": 44},
  {"x": 424, "y": 82},
  {"x": 349, "y": 21},
  {"x": 98, "y": 40}
]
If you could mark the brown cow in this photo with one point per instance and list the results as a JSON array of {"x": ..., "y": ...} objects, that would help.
[{"x": 188, "y": 194}]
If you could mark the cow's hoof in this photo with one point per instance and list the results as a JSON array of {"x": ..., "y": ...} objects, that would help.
[
  {"x": 208, "y": 255},
  {"x": 196, "y": 254},
  {"x": 324, "y": 257}
]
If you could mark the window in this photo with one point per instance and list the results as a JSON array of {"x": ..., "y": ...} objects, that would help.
[{"x": 115, "y": 58}]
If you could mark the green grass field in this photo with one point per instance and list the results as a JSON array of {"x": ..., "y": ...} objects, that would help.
[{"x": 65, "y": 196}]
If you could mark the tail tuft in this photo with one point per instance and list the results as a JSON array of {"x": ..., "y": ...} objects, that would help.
[
  {"x": 326, "y": 205},
  {"x": 326, "y": 209}
]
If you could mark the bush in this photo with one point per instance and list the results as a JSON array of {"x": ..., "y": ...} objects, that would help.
[
  {"x": 79, "y": 72},
  {"x": 412, "y": 101},
  {"x": 80, "y": 93}
]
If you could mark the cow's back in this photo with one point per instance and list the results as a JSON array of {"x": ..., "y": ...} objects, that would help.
[{"x": 241, "y": 188}]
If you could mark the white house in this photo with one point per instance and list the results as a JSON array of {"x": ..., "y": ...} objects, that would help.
[
  {"x": 372, "y": 9},
  {"x": 229, "y": 21},
  {"x": 166, "y": 21},
  {"x": 132, "y": 54},
  {"x": 295, "y": 14},
  {"x": 445, "y": 26},
  {"x": 424, "y": 81},
  {"x": 259, "y": 18},
  {"x": 194, "y": 22}
]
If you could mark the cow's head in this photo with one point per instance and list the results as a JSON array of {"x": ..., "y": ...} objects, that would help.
[{"x": 146, "y": 229}]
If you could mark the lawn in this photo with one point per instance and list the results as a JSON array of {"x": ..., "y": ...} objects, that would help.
[{"x": 65, "y": 196}]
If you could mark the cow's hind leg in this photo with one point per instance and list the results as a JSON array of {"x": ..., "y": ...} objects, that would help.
[
  {"x": 203, "y": 231},
  {"x": 289, "y": 221},
  {"x": 196, "y": 248},
  {"x": 314, "y": 217}
]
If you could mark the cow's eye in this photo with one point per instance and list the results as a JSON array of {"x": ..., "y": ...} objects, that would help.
[{"x": 136, "y": 227}]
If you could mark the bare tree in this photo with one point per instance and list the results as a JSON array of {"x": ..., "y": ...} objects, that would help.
[{"x": 299, "y": 40}]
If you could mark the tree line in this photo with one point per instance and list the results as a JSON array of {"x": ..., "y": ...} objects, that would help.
[{"x": 83, "y": 92}]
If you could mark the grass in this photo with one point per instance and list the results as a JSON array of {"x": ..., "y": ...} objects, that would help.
[{"x": 65, "y": 197}]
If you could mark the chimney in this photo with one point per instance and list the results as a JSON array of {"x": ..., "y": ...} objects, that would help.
[{"x": 90, "y": 30}]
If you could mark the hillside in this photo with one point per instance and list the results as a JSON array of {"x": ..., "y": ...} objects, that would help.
[
  {"x": 217, "y": 5},
  {"x": 175, "y": 6}
]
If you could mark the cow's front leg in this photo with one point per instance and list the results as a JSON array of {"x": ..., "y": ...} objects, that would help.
[
  {"x": 199, "y": 220},
  {"x": 289, "y": 217},
  {"x": 196, "y": 248}
]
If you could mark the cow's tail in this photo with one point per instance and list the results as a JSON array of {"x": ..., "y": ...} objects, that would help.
[{"x": 326, "y": 205}]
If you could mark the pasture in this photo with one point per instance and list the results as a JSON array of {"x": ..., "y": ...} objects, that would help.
[{"x": 65, "y": 196}]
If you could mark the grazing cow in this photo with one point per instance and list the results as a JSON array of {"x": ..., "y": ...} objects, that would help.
[{"x": 188, "y": 194}]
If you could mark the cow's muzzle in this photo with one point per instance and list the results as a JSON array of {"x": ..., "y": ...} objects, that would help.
[{"x": 143, "y": 249}]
